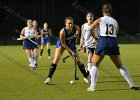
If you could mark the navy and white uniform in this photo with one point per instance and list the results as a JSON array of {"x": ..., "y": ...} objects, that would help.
[
  {"x": 88, "y": 38},
  {"x": 46, "y": 37},
  {"x": 108, "y": 44},
  {"x": 70, "y": 39},
  {"x": 28, "y": 44}
]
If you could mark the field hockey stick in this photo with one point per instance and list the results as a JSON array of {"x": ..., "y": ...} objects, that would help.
[
  {"x": 64, "y": 59},
  {"x": 75, "y": 71},
  {"x": 27, "y": 38},
  {"x": 32, "y": 41},
  {"x": 17, "y": 31}
]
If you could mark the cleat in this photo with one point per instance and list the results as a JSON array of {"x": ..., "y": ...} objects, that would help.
[
  {"x": 36, "y": 65},
  {"x": 30, "y": 65},
  {"x": 91, "y": 88},
  {"x": 49, "y": 57},
  {"x": 134, "y": 87},
  {"x": 86, "y": 80},
  {"x": 40, "y": 57},
  {"x": 48, "y": 80},
  {"x": 33, "y": 68}
]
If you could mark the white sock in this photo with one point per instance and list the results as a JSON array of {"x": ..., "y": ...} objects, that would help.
[
  {"x": 124, "y": 72},
  {"x": 94, "y": 76},
  {"x": 89, "y": 64},
  {"x": 31, "y": 60},
  {"x": 35, "y": 59}
]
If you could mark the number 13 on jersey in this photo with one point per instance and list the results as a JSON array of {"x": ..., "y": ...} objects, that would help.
[{"x": 109, "y": 29}]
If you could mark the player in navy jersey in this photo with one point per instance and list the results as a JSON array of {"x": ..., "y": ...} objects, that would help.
[
  {"x": 29, "y": 32},
  {"x": 66, "y": 41},
  {"x": 38, "y": 29},
  {"x": 39, "y": 35},
  {"x": 46, "y": 31},
  {"x": 108, "y": 45}
]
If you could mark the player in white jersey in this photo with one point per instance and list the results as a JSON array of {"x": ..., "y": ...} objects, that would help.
[
  {"x": 29, "y": 32},
  {"x": 86, "y": 38},
  {"x": 108, "y": 45}
]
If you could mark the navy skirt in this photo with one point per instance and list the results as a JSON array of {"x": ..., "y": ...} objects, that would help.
[{"x": 27, "y": 44}]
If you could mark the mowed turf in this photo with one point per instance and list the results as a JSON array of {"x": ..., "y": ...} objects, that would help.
[{"x": 18, "y": 82}]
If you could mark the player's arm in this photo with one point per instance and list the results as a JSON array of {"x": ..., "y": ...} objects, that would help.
[
  {"x": 117, "y": 29},
  {"x": 40, "y": 35},
  {"x": 82, "y": 38},
  {"x": 22, "y": 36},
  {"x": 93, "y": 26},
  {"x": 62, "y": 39},
  {"x": 50, "y": 32}
]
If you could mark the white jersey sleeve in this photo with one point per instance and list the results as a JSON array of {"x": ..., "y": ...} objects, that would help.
[{"x": 108, "y": 26}]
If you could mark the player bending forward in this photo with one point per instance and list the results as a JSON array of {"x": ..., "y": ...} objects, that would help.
[{"x": 66, "y": 41}]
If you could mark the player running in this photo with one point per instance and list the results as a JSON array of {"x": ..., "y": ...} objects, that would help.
[
  {"x": 46, "y": 40},
  {"x": 108, "y": 45},
  {"x": 27, "y": 33},
  {"x": 39, "y": 35},
  {"x": 86, "y": 38},
  {"x": 66, "y": 41}
]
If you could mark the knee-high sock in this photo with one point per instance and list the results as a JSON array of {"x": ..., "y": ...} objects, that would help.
[
  {"x": 83, "y": 70},
  {"x": 89, "y": 64},
  {"x": 94, "y": 76},
  {"x": 124, "y": 72},
  {"x": 49, "y": 52},
  {"x": 52, "y": 70},
  {"x": 35, "y": 59},
  {"x": 41, "y": 52},
  {"x": 31, "y": 60}
]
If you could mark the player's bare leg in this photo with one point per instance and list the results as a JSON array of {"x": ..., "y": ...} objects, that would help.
[
  {"x": 58, "y": 53},
  {"x": 35, "y": 51},
  {"x": 49, "y": 51},
  {"x": 41, "y": 51},
  {"x": 31, "y": 60},
  {"x": 123, "y": 70}
]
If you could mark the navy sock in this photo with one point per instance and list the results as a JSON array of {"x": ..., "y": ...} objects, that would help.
[{"x": 52, "y": 70}]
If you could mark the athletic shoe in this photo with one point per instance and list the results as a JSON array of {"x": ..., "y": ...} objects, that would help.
[
  {"x": 48, "y": 80},
  {"x": 30, "y": 65},
  {"x": 33, "y": 68},
  {"x": 40, "y": 57},
  {"x": 86, "y": 80},
  {"x": 91, "y": 88},
  {"x": 49, "y": 57},
  {"x": 36, "y": 65},
  {"x": 134, "y": 86}
]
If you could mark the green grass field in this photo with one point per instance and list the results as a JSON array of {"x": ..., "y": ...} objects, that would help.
[{"x": 18, "y": 82}]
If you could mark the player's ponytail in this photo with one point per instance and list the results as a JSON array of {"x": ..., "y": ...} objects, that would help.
[{"x": 107, "y": 9}]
